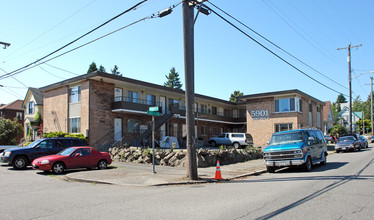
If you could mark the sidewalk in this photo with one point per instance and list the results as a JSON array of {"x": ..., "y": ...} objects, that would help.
[{"x": 131, "y": 174}]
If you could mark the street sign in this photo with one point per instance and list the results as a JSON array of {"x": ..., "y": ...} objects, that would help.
[
  {"x": 153, "y": 109},
  {"x": 153, "y": 113}
]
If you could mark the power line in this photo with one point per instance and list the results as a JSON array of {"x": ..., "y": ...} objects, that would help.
[
  {"x": 105, "y": 23},
  {"x": 61, "y": 69},
  {"x": 69, "y": 51},
  {"x": 15, "y": 78},
  {"x": 50, "y": 28},
  {"x": 277, "y": 46},
  {"x": 279, "y": 57},
  {"x": 50, "y": 73}
]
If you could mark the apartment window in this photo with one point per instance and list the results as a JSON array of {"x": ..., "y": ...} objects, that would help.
[
  {"x": 132, "y": 126},
  {"x": 283, "y": 127},
  {"x": 288, "y": 105},
  {"x": 75, "y": 94},
  {"x": 226, "y": 112},
  {"x": 214, "y": 131},
  {"x": 31, "y": 108},
  {"x": 204, "y": 131},
  {"x": 242, "y": 113},
  {"x": 151, "y": 100},
  {"x": 117, "y": 94},
  {"x": 214, "y": 110},
  {"x": 182, "y": 105},
  {"x": 75, "y": 125},
  {"x": 173, "y": 129},
  {"x": 19, "y": 116},
  {"x": 132, "y": 96},
  {"x": 204, "y": 109},
  {"x": 196, "y": 107}
]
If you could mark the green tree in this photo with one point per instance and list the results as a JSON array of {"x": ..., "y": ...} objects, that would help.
[
  {"x": 341, "y": 99},
  {"x": 357, "y": 104},
  {"x": 335, "y": 112},
  {"x": 92, "y": 68},
  {"x": 367, "y": 125},
  {"x": 173, "y": 80},
  {"x": 234, "y": 96},
  {"x": 338, "y": 130},
  {"x": 102, "y": 69},
  {"x": 115, "y": 71},
  {"x": 9, "y": 131}
]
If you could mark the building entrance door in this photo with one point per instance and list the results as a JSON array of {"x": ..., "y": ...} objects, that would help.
[
  {"x": 117, "y": 128},
  {"x": 163, "y": 104}
]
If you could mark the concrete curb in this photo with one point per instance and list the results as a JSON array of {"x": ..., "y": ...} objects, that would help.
[{"x": 190, "y": 182}]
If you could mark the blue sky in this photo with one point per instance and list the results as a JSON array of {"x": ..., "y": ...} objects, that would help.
[{"x": 225, "y": 59}]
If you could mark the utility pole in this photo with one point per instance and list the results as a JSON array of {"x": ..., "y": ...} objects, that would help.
[
  {"x": 371, "y": 104},
  {"x": 5, "y": 44},
  {"x": 188, "y": 38},
  {"x": 350, "y": 82}
]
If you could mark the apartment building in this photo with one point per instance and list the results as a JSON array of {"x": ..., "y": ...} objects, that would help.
[
  {"x": 108, "y": 108},
  {"x": 282, "y": 110}
]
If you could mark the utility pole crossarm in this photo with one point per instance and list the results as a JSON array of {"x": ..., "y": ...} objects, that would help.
[{"x": 5, "y": 44}]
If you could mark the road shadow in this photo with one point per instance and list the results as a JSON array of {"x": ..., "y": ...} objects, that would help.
[
  {"x": 316, "y": 168},
  {"x": 340, "y": 180},
  {"x": 69, "y": 171}
]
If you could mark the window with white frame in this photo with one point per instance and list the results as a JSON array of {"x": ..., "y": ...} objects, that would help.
[
  {"x": 75, "y": 125},
  {"x": 288, "y": 105},
  {"x": 204, "y": 109},
  {"x": 19, "y": 116},
  {"x": 283, "y": 127},
  {"x": 31, "y": 108},
  {"x": 133, "y": 96},
  {"x": 74, "y": 94},
  {"x": 151, "y": 100}
]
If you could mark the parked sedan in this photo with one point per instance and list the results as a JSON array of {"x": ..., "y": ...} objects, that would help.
[
  {"x": 73, "y": 157},
  {"x": 364, "y": 142},
  {"x": 347, "y": 143}
]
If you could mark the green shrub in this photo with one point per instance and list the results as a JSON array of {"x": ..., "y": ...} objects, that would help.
[
  {"x": 27, "y": 143},
  {"x": 63, "y": 134}
]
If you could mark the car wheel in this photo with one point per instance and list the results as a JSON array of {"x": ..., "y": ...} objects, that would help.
[
  {"x": 337, "y": 151},
  {"x": 324, "y": 159},
  {"x": 308, "y": 165},
  {"x": 20, "y": 163},
  {"x": 270, "y": 169},
  {"x": 213, "y": 143},
  {"x": 102, "y": 165},
  {"x": 359, "y": 148},
  {"x": 236, "y": 145},
  {"x": 58, "y": 168}
]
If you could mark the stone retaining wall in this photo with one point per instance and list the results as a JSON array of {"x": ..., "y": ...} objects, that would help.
[{"x": 177, "y": 158}]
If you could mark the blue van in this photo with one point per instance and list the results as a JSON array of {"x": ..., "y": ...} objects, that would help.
[{"x": 302, "y": 148}]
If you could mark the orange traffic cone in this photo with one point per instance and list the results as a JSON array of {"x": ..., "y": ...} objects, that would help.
[{"x": 218, "y": 172}]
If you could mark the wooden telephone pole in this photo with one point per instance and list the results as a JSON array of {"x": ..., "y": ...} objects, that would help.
[
  {"x": 188, "y": 37},
  {"x": 350, "y": 82}
]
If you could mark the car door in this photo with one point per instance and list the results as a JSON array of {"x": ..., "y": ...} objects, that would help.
[
  {"x": 80, "y": 158},
  {"x": 312, "y": 146},
  {"x": 44, "y": 148},
  {"x": 58, "y": 146}
]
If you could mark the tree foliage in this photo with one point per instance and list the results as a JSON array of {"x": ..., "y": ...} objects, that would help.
[
  {"x": 9, "y": 131},
  {"x": 92, "y": 68},
  {"x": 367, "y": 125},
  {"x": 234, "y": 96},
  {"x": 338, "y": 130},
  {"x": 173, "y": 80},
  {"x": 115, "y": 71},
  {"x": 102, "y": 69},
  {"x": 341, "y": 99}
]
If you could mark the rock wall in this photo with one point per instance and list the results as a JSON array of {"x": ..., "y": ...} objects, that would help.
[{"x": 177, "y": 158}]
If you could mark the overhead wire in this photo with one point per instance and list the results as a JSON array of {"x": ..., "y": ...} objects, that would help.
[
  {"x": 89, "y": 32},
  {"x": 92, "y": 41},
  {"x": 51, "y": 73},
  {"x": 279, "y": 57},
  {"x": 15, "y": 78},
  {"x": 61, "y": 69},
  {"x": 272, "y": 43},
  {"x": 54, "y": 26}
]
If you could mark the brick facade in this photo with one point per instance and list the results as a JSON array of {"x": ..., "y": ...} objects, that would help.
[{"x": 55, "y": 115}]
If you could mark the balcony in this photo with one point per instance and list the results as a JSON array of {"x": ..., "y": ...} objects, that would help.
[
  {"x": 135, "y": 104},
  {"x": 131, "y": 103}
]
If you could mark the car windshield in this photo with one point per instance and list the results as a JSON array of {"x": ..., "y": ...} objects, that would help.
[
  {"x": 287, "y": 138},
  {"x": 33, "y": 144},
  {"x": 345, "y": 139},
  {"x": 67, "y": 151}
]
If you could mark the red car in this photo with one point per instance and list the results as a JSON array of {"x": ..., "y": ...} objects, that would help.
[{"x": 73, "y": 157}]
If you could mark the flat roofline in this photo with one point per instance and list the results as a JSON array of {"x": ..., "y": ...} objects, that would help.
[
  {"x": 279, "y": 93},
  {"x": 129, "y": 80}
]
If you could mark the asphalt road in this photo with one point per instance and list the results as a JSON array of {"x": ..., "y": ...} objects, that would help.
[{"x": 343, "y": 189}]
